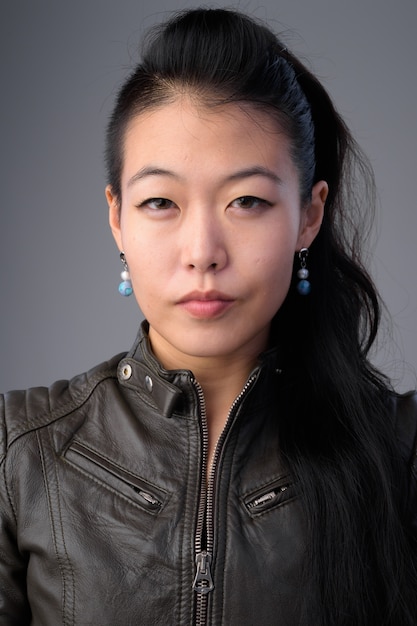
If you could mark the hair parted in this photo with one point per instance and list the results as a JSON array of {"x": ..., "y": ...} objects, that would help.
[{"x": 336, "y": 432}]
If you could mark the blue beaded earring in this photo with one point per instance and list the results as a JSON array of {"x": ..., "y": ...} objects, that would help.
[
  {"x": 304, "y": 285},
  {"x": 125, "y": 287}
]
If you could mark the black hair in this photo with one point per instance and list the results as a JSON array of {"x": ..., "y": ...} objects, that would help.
[
  {"x": 337, "y": 434},
  {"x": 218, "y": 57}
]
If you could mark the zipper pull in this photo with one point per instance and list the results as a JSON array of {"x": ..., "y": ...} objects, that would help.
[{"x": 203, "y": 582}]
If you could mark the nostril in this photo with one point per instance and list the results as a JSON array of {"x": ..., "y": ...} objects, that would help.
[{"x": 209, "y": 266}]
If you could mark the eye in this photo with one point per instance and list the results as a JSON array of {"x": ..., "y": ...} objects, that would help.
[
  {"x": 250, "y": 202},
  {"x": 157, "y": 204}
]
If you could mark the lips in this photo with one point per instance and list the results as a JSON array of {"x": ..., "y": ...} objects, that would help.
[{"x": 206, "y": 305}]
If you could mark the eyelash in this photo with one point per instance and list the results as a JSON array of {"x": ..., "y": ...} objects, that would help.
[
  {"x": 165, "y": 204},
  {"x": 149, "y": 201},
  {"x": 254, "y": 201}
]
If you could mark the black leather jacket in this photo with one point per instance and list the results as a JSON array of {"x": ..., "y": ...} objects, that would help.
[{"x": 105, "y": 514}]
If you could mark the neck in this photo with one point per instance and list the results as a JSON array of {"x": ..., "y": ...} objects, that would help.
[{"x": 221, "y": 378}]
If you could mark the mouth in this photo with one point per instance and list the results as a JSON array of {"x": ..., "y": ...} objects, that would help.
[{"x": 206, "y": 305}]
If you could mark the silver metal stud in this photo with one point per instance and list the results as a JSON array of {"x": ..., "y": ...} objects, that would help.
[{"x": 126, "y": 371}]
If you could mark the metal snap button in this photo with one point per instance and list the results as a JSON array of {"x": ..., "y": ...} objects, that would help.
[
  {"x": 148, "y": 383},
  {"x": 126, "y": 371}
]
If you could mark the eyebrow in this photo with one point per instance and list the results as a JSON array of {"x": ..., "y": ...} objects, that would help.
[
  {"x": 150, "y": 171},
  {"x": 257, "y": 170}
]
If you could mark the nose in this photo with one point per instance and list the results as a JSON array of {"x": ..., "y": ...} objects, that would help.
[{"x": 203, "y": 242}]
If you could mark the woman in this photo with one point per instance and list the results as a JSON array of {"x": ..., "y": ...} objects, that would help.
[{"x": 244, "y": 463}]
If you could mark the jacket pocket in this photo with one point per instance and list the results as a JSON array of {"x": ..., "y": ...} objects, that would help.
[
  {"x": 270, "y": 496},
  {"x": 140, "y": 492}
]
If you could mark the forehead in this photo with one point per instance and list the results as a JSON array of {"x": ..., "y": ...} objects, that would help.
[{"x": 187, "y": 129}]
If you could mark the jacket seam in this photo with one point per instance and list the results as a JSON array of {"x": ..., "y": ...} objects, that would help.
[
  {"x": 47, "y": 417},
  {"x": 66, "y": 583},
  {"x": 9, "y": 495}
]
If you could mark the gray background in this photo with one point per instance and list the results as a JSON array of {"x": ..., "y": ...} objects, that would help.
[{"x": 61, "y": 63}]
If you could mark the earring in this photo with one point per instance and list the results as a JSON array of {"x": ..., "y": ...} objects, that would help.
[
  {"x": 125, "y": 287},
  {"x": 304, "y": 285}
]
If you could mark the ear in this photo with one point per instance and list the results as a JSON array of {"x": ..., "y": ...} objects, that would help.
[
  {"x": 114, "y": 216},
  {"x": 313, "y": 215}
]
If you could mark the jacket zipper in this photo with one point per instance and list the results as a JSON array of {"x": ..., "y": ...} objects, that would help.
[
  {"x": 267, "y": 498},
  {"x": 149, "y": 500},
  {"x": 203, "y": 582},
  {"x": 272, "y": 496}
]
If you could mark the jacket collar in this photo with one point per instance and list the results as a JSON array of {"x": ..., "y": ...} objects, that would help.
[{"x": 167, "y": 389}]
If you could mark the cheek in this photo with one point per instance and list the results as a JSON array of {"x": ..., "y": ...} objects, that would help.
[
  {"x": 274, "y": 272},
  {"x": 150, "y": 273},
  {"x": 276, "y": 258},
  {"x": 144, "y": 254}
]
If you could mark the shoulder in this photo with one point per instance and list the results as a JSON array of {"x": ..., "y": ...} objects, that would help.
[{"x": 23, "y": 411}]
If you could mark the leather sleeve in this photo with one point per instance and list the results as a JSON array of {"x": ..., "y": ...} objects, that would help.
[
  {"x": 21, "y": 414},
  {"x": 14, "y": 607}
]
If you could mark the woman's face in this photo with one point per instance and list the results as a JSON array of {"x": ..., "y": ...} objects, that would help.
[{"x": 210, "y": 220}]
